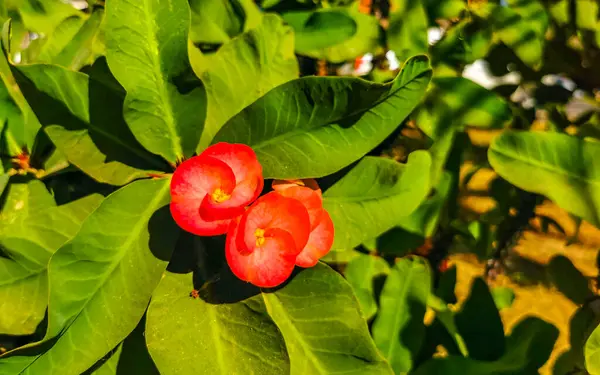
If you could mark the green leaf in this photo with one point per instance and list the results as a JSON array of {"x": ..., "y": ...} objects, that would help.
[
  {"x": 188, "y": 335},
  {"x": 216, "y": 22},
  {"x": 460, "y": 102},
  {"x": 244, "y": 70},
  {"x": 360, "y": 274},
  {"x": 82, "y": 115},
  {"x": 558, "y": 166},
  {"x": 592, "y": 352},
  {"x": 503, "y": 297},
  {"x": 407, "y": 31},
  {"x": 314, "y": 126},
  {"x": 147, "y": 51},
  {"x": 480, "y": 325},
  {"x": 320, "y": 29},
  {"x": 32, "y": 228},
  {"x": 398, "y": 330},
  {"x": 365, "y": 39},
  {"x": 322, "y": 325},
  {"x": 101, "y": 281},
  {"x": 374, "y": 195}
]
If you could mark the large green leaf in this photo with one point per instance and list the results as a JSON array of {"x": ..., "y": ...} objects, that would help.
[
  {"x": 225, "y": 338},
  {"x": 320, "y": 29},
  {"x": 361, "y": 273},
  {"x": 244, "y": 70},
  {"x": 216, "y": 22},
  {"x": 592, "y": 352},
  {"x": 559, "y": 166},
  {"x": 460, "y": 102},
  {"x": 365, "y": 39},
  {"x": 314, "y": 126},
  {"x": 398, "y": 329},
  {"x": 82, "y": 115},
  {"x": 529, "y": 346},
  {"x": 101, "y": 281},
  {"x": 374, "y": 195},
  {"x": 407, "y": 31},
  {"x": 147, "y": 51},
  {"x": 32, "y": 228},
  {"x": 322, "y": 325}
]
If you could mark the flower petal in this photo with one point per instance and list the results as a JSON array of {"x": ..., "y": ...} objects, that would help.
[
  {"x": 270, "y": 211},
  {"x": 248, "y": 177},
  {"x": 192, "y": 181},
  {"x": 311, "y": 199},
  {"x": 268, "y": 265},
  {"x": 240, "y": 158},
  {"x": 319, "y": 242}
]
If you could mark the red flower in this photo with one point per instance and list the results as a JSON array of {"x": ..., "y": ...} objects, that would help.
[
  {"x": 321, "y": 226},
  {"x": 262, "y": 247},
  {"x": 211, "y": 189}
]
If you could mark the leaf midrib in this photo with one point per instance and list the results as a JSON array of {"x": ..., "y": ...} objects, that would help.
[
  {"x": 160, "y": 83},
  {"x": 305, "y": 346}
]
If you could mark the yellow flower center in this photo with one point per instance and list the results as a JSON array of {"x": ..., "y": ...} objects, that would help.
[
  {"x": 260, "y": 237},
  {"x": 220, "y": 196}
]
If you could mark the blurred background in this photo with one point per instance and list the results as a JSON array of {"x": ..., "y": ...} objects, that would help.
[{"x": 518, "y": 64}]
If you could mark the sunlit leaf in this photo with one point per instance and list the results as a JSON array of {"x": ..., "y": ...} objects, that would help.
[
  {"x": 219, "y": 338},
  {"x": 314, "y": 126},
  {"x": 373, "y": 197},
  {"x": 147, "y": 51},
  {"x": 559, "y": 166}
]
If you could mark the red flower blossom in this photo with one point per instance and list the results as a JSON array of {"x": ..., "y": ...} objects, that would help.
[
  {"x": 263, "y": 246},
  {"x": 321, "y": 226},
  {"x": 211, "y": 189}
]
